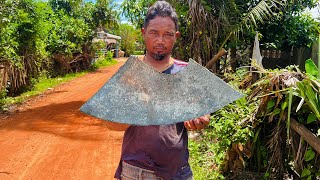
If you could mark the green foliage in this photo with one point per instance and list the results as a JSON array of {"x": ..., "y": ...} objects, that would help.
[
  {"x": 308, "y": 90},
  {"x": 105, "y": 15},
  {"x": 206, "y": 26},
  {"x": 289, "y": 94},
  {"x": 229, "y": 126},
  {"x": 129, "y": 38},
  {"x": 198, "y": 158},
  {"x": 96, "y": 46},
  {"x": 52, "y": 37},
  {"x": 301, "y": 31},
  {"x": 135, "y": 10},
  {"x": 261, "y": 122},
  {"x": 310, "y": 154},
  {"x": 8, "y": 28},
  {"x": 291, "y": 27},
  {"x": 103, "y": 61},
  {"x": 67, "y": 35},
  {"x": 312, "y": 69},
  {"x": 43, "y": 83},
  {"x": 63, "y": 5}
]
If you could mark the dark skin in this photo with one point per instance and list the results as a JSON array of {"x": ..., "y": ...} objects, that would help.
[{"x": 159, "y": 37}]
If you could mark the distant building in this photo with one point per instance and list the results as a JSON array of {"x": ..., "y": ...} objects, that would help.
[{"x": 112, "y": 42}]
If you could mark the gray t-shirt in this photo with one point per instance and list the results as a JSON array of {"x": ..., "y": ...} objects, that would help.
[{"x": 163, "y": 148}]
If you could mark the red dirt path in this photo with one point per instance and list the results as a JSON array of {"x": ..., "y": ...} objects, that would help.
[{"x": 48, "y": 138}]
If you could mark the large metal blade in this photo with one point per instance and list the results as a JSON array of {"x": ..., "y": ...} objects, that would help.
[{"x": 139, "y": 95}]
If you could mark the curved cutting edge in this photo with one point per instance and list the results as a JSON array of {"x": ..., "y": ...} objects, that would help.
[{"x": 139, "y": 95}]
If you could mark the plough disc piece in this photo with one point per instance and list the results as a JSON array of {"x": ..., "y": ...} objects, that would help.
[{"x": 139, "y": 95}]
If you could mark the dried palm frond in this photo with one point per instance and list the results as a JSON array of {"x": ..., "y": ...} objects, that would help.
[
  {"x": 279, "y": 92},
  {"x": 203, "y": 29},
  {"x": 273, "y": 87},
  {"x": 276, "y": 144}
]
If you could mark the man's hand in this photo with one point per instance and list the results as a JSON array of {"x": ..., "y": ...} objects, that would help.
[{"x": 198, "y": 123}]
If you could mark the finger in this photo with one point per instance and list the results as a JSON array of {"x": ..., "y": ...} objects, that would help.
[
  {"x": 191, "y": 125},
  {"x": 195, "y": 124},
  {"x": 198, "y": 124},
  {"x": 204, "y": 120},
  {"x": 187, "y": 125}
]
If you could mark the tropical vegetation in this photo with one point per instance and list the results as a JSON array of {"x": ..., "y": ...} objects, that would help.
[
  {"x": 260, "y": 136},
  {"x": 48, "y": 39},
  {"x": 255, "y": 137},
  {"x": 271, "y": 133}
]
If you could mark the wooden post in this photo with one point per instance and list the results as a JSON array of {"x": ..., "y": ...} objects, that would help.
[
  {"x": 233, "y": 59},
  {"x": 216, "y": 58},
  {"x": 307, "y": 135}
]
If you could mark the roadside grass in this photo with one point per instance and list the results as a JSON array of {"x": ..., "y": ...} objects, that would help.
[
  {"x": 198, "y": 161},
  {"x": 100, "y": 63},
  {"x": 43, "y": 84}
]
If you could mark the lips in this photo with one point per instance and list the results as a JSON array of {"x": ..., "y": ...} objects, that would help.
[{"x": 161, "y": 48}]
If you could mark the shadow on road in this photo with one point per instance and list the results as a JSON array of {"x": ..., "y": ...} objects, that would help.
[{"x": 63, "y": 119}]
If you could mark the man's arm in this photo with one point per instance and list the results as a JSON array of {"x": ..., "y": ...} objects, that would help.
[
  {"x": 198, "y": 123},
  {"x": 116, "y": 126}
]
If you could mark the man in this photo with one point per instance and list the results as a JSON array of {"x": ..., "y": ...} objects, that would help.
[{"x": 158, "y": 152}]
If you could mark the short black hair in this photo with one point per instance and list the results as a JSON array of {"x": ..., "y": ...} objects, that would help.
[{"x": 163, "y": 9}]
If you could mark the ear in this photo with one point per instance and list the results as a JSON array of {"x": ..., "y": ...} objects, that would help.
[
  {"x": 143, "y": 31},
  {"x": 178, "y": 34}
]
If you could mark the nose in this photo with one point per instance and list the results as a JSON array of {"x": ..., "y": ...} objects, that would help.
[{"x": 160, "y": 39}]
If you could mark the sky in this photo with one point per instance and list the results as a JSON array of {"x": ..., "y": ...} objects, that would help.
[{"x": 315, "y": 12}]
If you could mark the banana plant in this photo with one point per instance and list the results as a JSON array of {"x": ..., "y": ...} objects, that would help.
[{"x": 309, "y": 89}]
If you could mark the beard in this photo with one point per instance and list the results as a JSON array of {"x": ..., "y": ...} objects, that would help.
[{"x": 159, "y": 57}]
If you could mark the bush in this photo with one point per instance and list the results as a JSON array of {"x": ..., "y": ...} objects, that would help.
[{"x": 102, "y": 61}]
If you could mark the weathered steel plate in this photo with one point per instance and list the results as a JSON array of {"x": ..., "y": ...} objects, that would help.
[{"x": 139, "y": 95}]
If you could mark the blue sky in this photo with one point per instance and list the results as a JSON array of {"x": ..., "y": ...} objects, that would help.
[{"x": 314, "y": 12}]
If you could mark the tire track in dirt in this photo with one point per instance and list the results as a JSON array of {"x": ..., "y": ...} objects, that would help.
[{"x": 49, "y": 138}]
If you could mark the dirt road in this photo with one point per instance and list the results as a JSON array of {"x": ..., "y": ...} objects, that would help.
[{"x": 48, "y": 138}]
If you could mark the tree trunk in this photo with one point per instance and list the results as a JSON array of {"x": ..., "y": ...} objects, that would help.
[
  {"x": 215, "y": 58},
  {"x": 233, "y": 61}
]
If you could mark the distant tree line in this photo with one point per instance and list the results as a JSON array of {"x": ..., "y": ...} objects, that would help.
[
  {"x": 207, "y": 26},
  {"x": 48, "y": 38}
]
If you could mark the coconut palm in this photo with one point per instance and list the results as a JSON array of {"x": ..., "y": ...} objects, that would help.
[
  {"x": 210, "y": 24},
  {"x": 214, "y": 23}
]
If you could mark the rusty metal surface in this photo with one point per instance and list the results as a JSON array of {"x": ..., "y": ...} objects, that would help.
[{"x": 139, "y": 95}]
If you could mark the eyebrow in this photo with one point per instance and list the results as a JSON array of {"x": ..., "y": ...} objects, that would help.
[{"x": 155, "y": 30}]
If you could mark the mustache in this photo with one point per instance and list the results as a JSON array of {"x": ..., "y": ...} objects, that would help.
[{"x": 159, "y": 46}]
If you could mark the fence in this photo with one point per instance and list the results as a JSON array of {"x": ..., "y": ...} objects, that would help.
[{"x": 296, "y": 56}]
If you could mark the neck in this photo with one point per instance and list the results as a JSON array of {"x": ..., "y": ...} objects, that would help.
[{"x": 160, "y": 66}]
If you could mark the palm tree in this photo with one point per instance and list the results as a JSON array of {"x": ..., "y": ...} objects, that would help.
[
  {"x": 214, "y": 23},
  {"x": 209, "y": 24}
]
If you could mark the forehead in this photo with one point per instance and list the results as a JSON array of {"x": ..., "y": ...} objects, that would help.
[{"x": 161, "y": 23}]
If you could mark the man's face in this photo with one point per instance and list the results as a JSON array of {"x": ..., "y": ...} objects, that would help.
[{"x": 159, "y": 37}]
